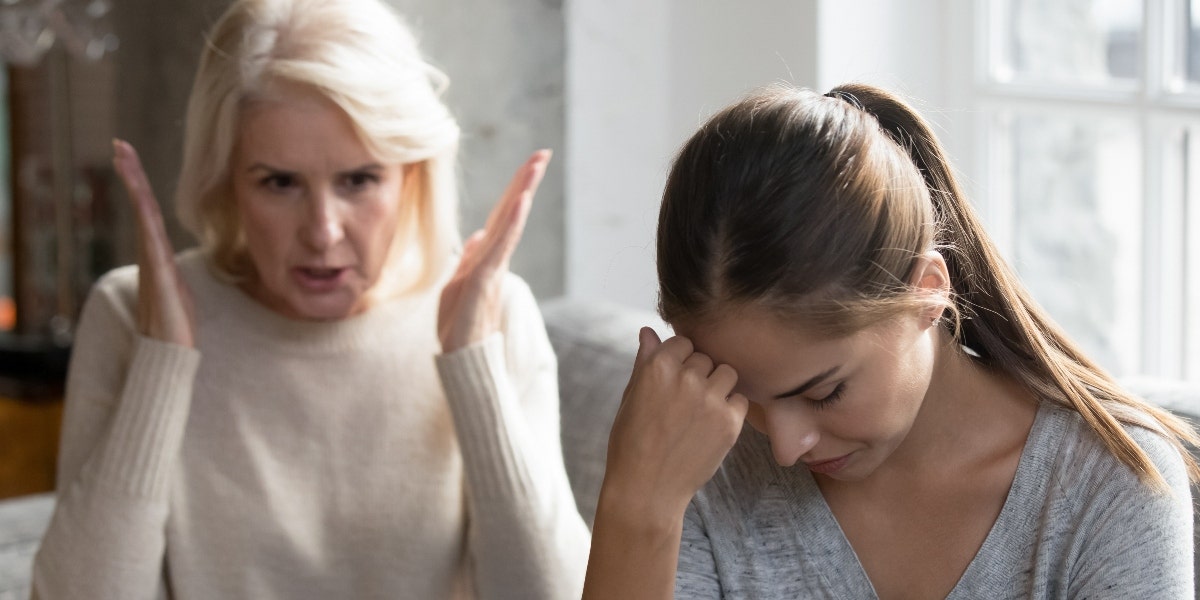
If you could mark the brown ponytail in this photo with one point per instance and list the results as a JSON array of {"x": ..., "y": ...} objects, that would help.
[
  {"x": 797, "y": 202},
  {"x": 1003, "y": 323}
]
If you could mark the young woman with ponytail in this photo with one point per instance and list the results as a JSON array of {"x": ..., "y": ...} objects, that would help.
[{"x": 915, "y": 426}]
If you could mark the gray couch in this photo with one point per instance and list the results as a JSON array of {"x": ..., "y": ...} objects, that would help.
[{"x": 595, "y": 345}]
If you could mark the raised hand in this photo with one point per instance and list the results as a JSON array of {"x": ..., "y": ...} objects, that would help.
[
  {"x": 678, "y": 419},
  {"x": 470, "y": 307},
  {"x": 164, "y": 306}
]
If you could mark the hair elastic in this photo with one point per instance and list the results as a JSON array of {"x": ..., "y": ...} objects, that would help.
[{"x": 846, "y": 97}]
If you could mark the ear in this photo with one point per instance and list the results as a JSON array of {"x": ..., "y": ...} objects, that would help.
[{"x": 930, "y": 277}]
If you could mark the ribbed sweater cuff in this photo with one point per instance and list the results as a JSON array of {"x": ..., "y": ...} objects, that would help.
[
  {"x": 488, "y": 422},
  {"x": 148, "y": 425}
]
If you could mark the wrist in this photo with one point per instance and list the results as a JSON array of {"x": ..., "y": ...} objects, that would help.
[
  {"x": 458, "y": 337},
  {"x": 466, "y": 345},
  {"x": 643, "y": 512},
  {"x": 634, "y": 552}
]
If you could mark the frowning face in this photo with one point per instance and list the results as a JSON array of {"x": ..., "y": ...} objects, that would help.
[
  {"x": 318, "y": 210},
  {"x": 840, "y": 406}
]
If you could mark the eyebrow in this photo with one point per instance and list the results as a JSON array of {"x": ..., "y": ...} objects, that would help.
[
  {"x": 366, "y": 167},
  {"x": 265, "y": 167},
  {"x": 804, "y": 387},
  {"x": 269, "y": 168}
]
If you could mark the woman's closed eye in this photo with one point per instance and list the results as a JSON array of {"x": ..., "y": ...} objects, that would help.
[{"x": 830, "y": 398}]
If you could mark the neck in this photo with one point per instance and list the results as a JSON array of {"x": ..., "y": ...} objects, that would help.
[{"x": 970, "y": 413}]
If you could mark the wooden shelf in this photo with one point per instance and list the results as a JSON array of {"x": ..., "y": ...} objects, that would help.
[{"x": 29, "y": 434}]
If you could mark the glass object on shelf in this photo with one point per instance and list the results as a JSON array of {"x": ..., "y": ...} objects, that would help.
[
  {"x": 1094, "y": 43},
  {"x": 8, "y": 303},
  {"x": 55, "y": 51},
  {"x": 24, "y": 33},
  {"x": 1076, "y": 218},
  {"x": 29, "y": 28},
  {"x": 64, "y": 192}
]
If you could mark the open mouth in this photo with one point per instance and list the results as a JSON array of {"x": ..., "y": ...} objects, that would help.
[
  {"x": 319, "y": 279},
  {"x": 320, "y": 274}
]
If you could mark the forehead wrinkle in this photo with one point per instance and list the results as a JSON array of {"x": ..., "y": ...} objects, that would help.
[{"x": 269, "y": 135}]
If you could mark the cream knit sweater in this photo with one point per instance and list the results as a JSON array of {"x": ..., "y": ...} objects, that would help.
[{"x": 288, "y": 459}]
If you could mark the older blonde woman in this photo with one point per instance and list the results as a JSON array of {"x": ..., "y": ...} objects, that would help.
[{"x": 320, "y": 401}]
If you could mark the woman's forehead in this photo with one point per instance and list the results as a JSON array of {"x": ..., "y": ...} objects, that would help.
[
  {"x": 756, "y": 336},
  {"x": 769, "y": 352}
]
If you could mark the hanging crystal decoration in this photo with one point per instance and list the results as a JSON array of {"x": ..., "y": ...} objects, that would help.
[{"x": 28, "y": 29}]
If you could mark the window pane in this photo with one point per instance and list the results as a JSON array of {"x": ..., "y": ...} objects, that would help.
[
  {"x": 1069, "y": 42},
  {"x": 1077, "y": 228},
  {"x": 1192, "y": 26}
]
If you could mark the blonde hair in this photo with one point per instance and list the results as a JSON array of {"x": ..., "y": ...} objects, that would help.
[
  {"x": 819, "y": 207},
  {"x": 362, "y": 57}
]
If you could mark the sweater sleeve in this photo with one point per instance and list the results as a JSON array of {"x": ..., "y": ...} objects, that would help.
[
  {"x": 525, "y": 535},
  {"x": 127, "y": 402},
  {"x": 1138, "y": 542}
]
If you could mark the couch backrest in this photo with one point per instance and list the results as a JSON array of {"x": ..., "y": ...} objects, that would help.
[
  {"x": 1182, "y": 399},
  {"x": 595, "y": 344}
]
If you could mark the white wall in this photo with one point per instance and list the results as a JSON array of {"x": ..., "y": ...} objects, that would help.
[
  {"x": 920, "y": 49},
  {"x": 617, "y": 101},
  {"x": 506, "y": 68},
  {"x": 895, "y": 44},
  {"x": 643, "y": 74}
]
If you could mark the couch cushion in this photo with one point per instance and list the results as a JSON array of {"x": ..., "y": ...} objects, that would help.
[
  {"x": 22, "y": 522},
  {"x": 595, "y": 344},
  {"x": 1182, "y": 399}
]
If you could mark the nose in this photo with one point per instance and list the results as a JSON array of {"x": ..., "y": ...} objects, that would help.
[
  {"x": 792, "y": 432},
  {"x": 323, "y": 228}
]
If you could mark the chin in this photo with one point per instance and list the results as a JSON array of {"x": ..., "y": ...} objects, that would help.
[{"x": 333, "y": 307}]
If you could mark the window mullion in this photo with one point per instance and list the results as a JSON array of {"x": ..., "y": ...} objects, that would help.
[
  {"x": 1163, "y": 291},
  {"x": 1160, "y": 53},
  {"x": 1190, "y": 252}
]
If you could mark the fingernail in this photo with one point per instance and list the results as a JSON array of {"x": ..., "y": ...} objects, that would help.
[{"x": 541, "y": 157}]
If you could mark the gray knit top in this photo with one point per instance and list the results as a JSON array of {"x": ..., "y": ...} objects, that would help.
[{"x": 1076, "y": 524}]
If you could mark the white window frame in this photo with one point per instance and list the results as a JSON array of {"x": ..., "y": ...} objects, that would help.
[{"x": 1160, "y": 104}]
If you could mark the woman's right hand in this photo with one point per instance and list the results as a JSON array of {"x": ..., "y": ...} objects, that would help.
[
  {"x": 678, "y": 419},
  {"x": 164, "y": 305}
]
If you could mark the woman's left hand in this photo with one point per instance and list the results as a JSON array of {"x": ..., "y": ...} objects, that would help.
[{"x": 470, "y": 307}]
